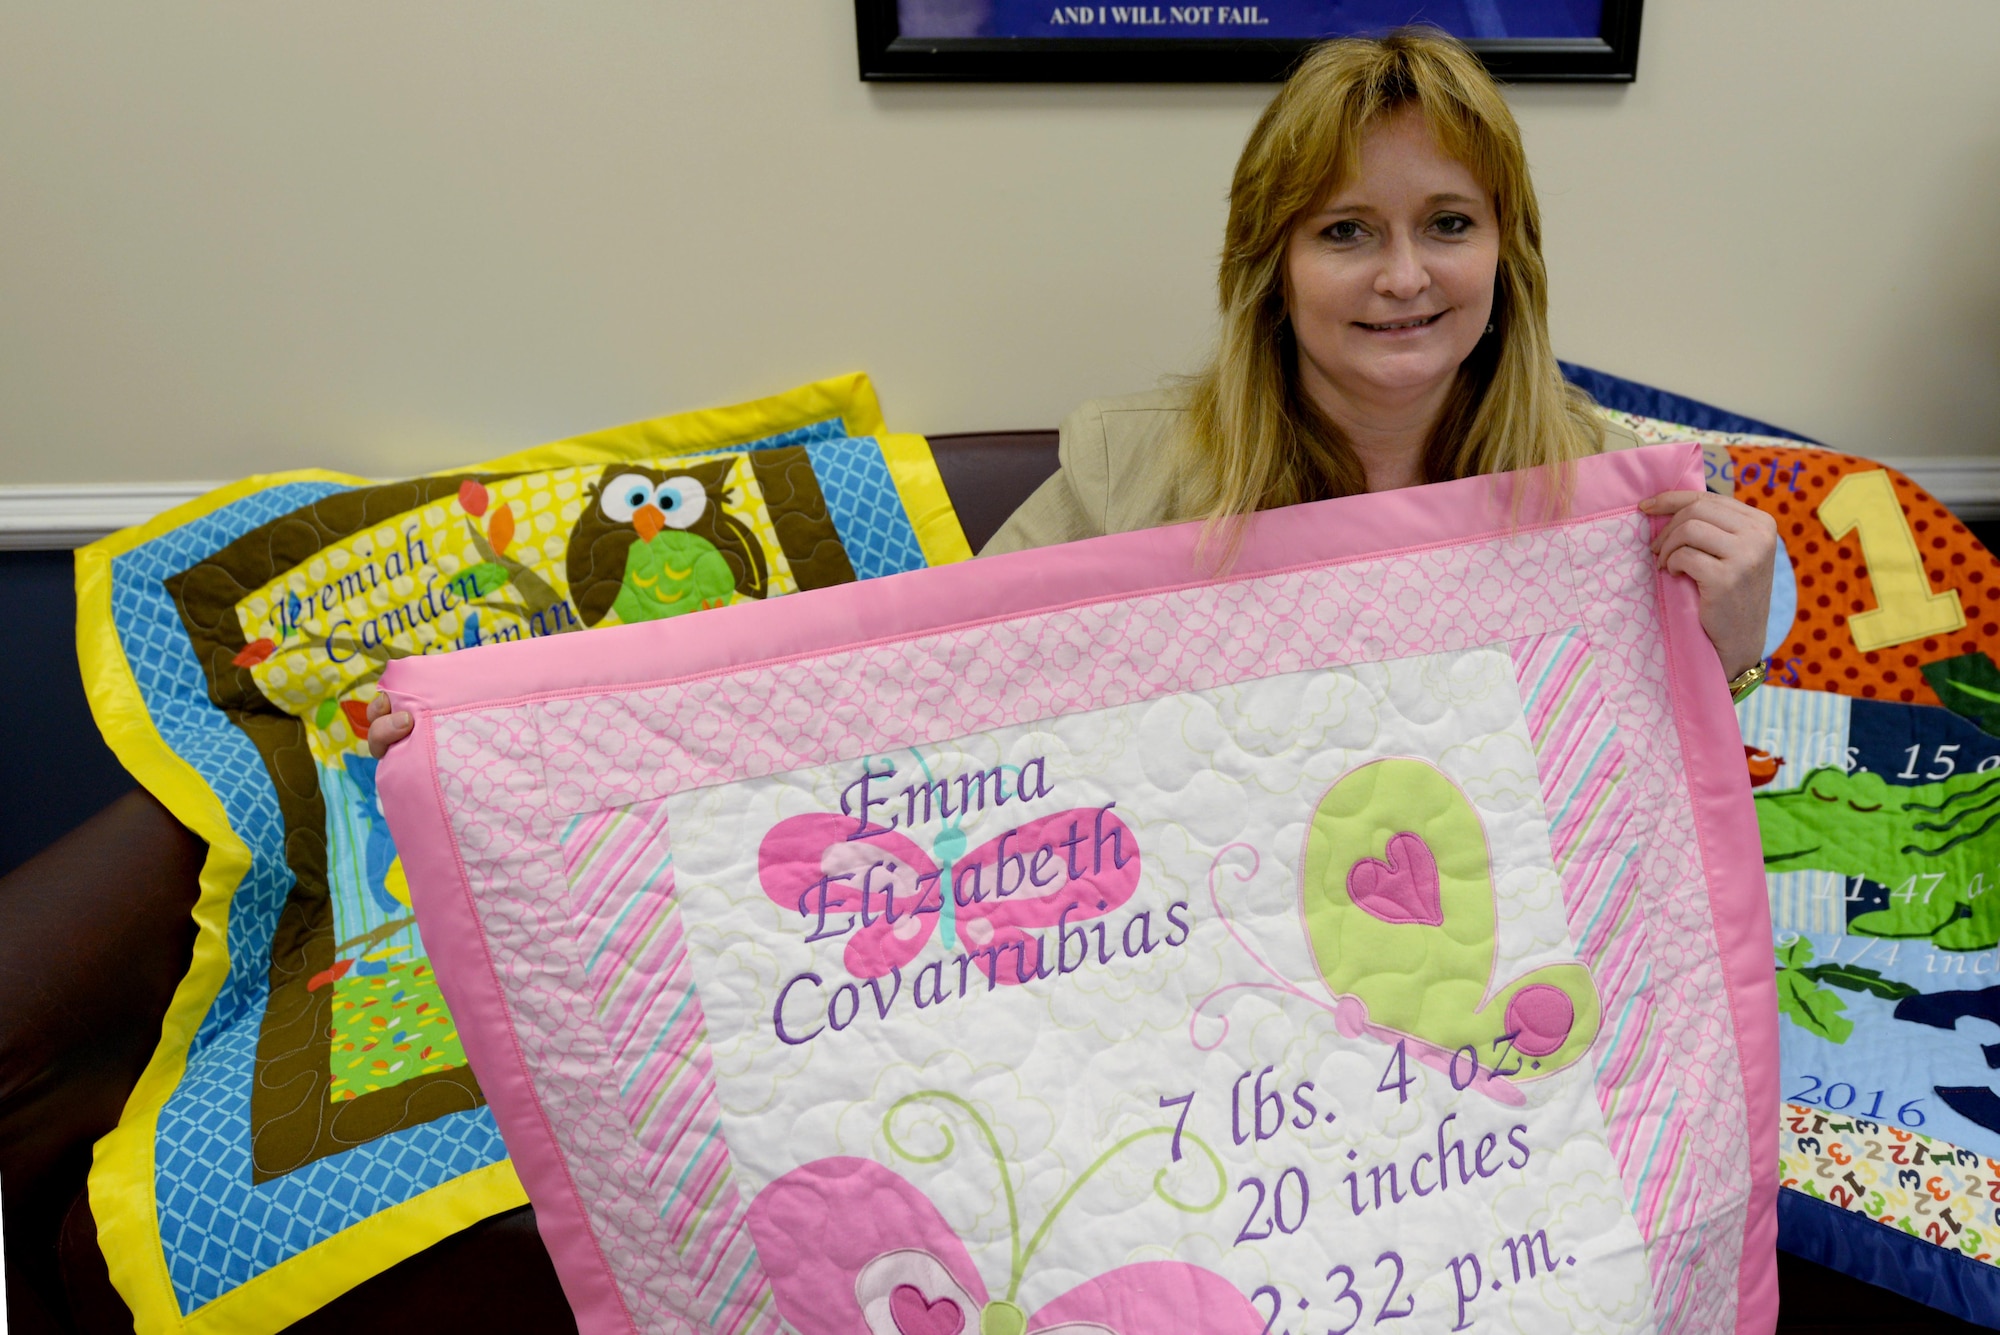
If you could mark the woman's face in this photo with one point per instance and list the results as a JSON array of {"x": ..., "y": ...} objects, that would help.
[{"x": 1389, "y": 283}]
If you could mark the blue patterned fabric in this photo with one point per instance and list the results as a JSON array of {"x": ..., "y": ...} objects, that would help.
[
  {"x": 831, "y": 429},
  {"x": 1875, "y": 736},
  {"x": 176, "y": 694},
  {"x": 867, "y": 513},
  {"x": 1887, "y": 1258},
  {"x": 1629, "y": 396},
  {"x": 218, "y": 1227}
]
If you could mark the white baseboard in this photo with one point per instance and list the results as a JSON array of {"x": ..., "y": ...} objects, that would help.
[
  {"x": 1968, "y": 487},
  {"x": 63, "y": 515},
  {"x": 54, "y": 517}
]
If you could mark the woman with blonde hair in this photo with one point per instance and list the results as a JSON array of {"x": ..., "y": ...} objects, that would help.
[{"x": 1384, "y": 323}]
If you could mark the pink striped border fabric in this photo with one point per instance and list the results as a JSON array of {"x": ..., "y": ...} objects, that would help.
[
  {"x": 619, "y": 865},
  {"x": 1594, "y": 836},
  {"x": 530, "y": 811}
]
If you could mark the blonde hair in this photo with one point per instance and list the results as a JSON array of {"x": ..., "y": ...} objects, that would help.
[{"x": 1256, "y": 440}]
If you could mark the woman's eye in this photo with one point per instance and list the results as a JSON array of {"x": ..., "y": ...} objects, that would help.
[
  {"x": 1453, "y": 224},
  {"x": 1347, "y": 229}
]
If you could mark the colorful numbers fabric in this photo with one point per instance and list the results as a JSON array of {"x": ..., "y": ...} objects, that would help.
[
  {"x": 312, "y": 1079},
  {"x": 1081, "y": 942},
  {"x": 1926, "y": 1188},
  {"x": 1875, "y": 753}
]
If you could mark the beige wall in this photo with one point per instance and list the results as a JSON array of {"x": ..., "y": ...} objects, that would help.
[{"x": 380, "y": 236}]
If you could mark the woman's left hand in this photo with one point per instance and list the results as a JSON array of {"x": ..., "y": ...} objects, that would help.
[{"x": 1728, "y": 549}]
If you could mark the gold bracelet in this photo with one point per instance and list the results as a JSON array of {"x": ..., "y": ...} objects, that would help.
[{"x": 1747, "y": 681}]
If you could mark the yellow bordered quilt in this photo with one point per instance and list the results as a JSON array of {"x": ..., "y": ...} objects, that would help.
[{"x": 308, "y": 1119}]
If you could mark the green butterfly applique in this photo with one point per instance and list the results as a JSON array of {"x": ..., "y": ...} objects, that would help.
[{"x": 1398, "y": 898}]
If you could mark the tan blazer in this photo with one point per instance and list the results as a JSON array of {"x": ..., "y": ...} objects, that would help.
[{"x": 1117, "y": 473}]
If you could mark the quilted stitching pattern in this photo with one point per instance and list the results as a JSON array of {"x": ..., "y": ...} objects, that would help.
[
  {"x": 620, "y": 869},
  {"x": 216, "y": 1230},
  {"x": 513, "y": 778},
  {"x": 1594, "y": 832},
  {"x": 861, "y": 496},
  {"x": 1692, "y": 994},
  {"x": 170, "y": 681}
]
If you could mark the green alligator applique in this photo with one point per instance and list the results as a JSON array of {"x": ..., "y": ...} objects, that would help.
[{"x": 1929, "y": 844}]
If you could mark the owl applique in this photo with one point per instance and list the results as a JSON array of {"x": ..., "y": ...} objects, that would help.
[{"x": 656, "y": 543}]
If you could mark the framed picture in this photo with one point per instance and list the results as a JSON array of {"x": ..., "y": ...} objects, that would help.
[{"x": 1006, "y": 41}]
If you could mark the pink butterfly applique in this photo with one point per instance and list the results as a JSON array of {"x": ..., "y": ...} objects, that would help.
[
  {"x": 852, "y": 1249},
  {"x": 885, "y": 895}
]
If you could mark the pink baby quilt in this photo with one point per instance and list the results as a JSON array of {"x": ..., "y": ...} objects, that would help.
[{"x": 1079, "y": 943}]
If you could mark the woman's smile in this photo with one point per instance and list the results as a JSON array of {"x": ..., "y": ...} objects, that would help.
[
  {"x": 1409, "y": 325},
  {"x": 1389, "y": 287}
]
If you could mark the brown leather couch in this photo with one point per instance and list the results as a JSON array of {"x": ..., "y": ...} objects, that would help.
[{"x": 95, "y": 933}]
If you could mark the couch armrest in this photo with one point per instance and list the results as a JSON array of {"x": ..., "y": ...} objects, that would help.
[{"x": 95, "y": 934}]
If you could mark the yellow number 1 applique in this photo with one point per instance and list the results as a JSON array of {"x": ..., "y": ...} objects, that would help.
[{"x": 1905, "y": 608}]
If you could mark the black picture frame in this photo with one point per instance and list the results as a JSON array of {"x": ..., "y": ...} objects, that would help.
[{"x": 887, "y": 56}]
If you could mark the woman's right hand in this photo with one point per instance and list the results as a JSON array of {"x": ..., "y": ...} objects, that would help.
[{"x": 385, "y": 728}]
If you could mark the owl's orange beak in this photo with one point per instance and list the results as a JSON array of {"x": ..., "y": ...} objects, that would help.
[{"x": 649, "y": 521}]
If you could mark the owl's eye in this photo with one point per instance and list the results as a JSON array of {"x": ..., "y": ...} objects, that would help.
[
  {"x": 681, "y": 500},
  {"x": 623, "y": 495}
]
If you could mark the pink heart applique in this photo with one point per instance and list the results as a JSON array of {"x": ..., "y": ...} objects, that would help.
[
  {"x": 1402, "y": 889},
  {"x": 914, "y": 1316}
]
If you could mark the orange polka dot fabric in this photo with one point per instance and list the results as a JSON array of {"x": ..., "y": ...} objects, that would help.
[{"x": 1789, "y": 484}]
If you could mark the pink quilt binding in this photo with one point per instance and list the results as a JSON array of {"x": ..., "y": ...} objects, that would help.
[{"x": 1001, "y": 588}]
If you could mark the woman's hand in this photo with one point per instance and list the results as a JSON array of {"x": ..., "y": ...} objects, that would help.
[
  {"x": 1728, "y": 549},
  {"x": 384, "y": 728}
]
